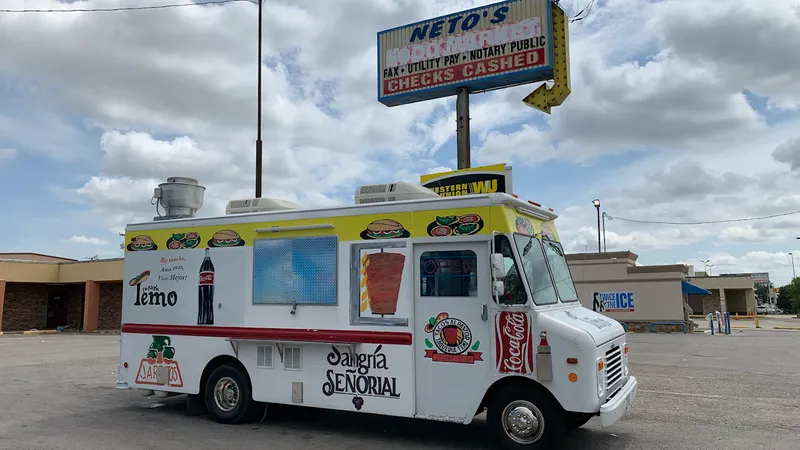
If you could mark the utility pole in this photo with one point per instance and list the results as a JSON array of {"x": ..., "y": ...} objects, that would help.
[
  {"x": 462, "y": 128},
  {"x": 258, "y": 138}
]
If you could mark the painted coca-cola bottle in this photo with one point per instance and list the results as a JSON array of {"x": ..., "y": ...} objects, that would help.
[{"x": 205, "y": 295}]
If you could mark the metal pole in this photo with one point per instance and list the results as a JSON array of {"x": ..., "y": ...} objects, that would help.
[
  {"x": 258, "y": 138},
  {"x": 462, "y": 128},
  {"x": 605, "y": 249},
  {"x": 793, "y": 272},
  {"x": 598, "y": 229}
]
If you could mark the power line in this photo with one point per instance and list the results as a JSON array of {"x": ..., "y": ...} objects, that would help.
[
  {"x": 704, "y": 222},
  {"x": 124, "y": 8}
]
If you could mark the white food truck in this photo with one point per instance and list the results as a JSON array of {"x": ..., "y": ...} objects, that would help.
[{"x": 404, "y": 304}]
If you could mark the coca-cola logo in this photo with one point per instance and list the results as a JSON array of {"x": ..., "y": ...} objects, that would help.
[
  {"x": 514, "y": 343},
  {"x": 206, "y": 278}
]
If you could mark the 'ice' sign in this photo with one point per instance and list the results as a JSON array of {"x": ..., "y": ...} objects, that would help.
[{"x": 613, "y": 302}]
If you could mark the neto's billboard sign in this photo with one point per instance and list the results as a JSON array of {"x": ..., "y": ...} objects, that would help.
[{"x": 498, "y": 45}]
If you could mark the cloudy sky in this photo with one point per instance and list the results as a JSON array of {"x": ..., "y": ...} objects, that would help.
[{"x": 682, "y": 110}]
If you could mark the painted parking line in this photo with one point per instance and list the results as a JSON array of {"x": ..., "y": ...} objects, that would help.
[{"x": 684, "y": 394}]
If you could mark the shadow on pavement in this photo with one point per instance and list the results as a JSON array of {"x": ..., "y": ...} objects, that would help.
[{"x": 304, "y": 422}]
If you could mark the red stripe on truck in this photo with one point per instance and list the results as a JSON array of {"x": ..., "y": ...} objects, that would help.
[{"x": 274, "y": 334}]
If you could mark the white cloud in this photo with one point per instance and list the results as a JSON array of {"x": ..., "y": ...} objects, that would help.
[
  {"x": 172, "y": 93},
  {"x": 86, "y": 240},
  {"x": 777, "y": 264}
]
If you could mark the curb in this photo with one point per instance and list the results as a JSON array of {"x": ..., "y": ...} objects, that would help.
[
  {"x": 40, "y": 332},
  {"x": 787, "y": 328}
]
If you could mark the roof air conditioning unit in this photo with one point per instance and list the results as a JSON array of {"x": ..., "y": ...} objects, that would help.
[
  {"x": 252, "y": 205},
  {"x": 392, "y": 192}
]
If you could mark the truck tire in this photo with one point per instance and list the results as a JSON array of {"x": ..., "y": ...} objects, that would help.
[
  {"x": 228, "y": 395},
  {"x": 520, "y": 418},
  {"x": 574, "y": 420}
]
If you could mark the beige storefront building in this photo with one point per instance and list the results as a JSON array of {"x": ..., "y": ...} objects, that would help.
[
  {"x": 611, "y": 283},
  {"x": 661, "y": 296},
  {"x": 46, "y": 292}
]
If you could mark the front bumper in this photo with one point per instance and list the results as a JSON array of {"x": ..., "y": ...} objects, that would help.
[{"x": 621, "y": 404}]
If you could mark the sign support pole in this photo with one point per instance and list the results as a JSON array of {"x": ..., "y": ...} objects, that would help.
[
  {"x": 462, "y": 128},
  {"x": 259, "y": 152}
]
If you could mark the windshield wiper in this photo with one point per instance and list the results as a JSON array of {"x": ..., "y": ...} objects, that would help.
[{"x": 529, "y": 244}]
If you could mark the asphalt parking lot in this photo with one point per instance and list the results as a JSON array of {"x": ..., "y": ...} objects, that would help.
[{"x": 696, "y": 392}]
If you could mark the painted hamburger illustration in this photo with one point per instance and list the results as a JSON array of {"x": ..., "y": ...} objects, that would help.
[
  {"x": 141, "y": 243},
  {"x": 226, "y": 238},
  {"x": 385, "y": 229}
]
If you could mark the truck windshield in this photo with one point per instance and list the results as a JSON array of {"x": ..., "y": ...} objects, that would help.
[
  {"x": 535, "y": 267},
  {"x": 558, "y": 266}
]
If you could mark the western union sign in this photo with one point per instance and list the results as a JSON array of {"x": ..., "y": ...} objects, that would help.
[{"x": 475, "y": 180}]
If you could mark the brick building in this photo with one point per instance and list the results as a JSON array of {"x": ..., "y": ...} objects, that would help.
[{"x": 45, "y": 292}]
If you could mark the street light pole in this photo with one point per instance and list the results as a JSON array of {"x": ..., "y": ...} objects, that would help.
[
  {"x": 605, "y": 249},
  {"x": 258, "y": 138},
  {"x": 596, "y": 203},
  {"x": 793, "y": 272},
  {"x": 705, "y": 265}
]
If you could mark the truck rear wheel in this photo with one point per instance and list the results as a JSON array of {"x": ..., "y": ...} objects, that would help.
[
  {"x": 520, "y": 419},
  {"x": 228, "y": 395}
]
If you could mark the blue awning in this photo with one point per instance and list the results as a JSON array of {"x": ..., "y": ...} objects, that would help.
[{"x": 689, "y": 288}]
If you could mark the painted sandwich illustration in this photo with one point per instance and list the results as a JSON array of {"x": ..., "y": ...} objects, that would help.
[
  {"x": 385, "y": 229},
  {"x": 142, "y": 243},
  {"x": 139, "y": 279},
  {"x": 381, "y": 275},
  {"x": 226, "y": 238}
]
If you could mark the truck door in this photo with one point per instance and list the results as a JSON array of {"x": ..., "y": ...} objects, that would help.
[{"x": 451, "y": 339}]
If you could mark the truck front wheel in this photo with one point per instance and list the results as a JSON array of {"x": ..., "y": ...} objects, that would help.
[
  {"x": 520, "y": 419},
  {"x": 228, "y": 396}
]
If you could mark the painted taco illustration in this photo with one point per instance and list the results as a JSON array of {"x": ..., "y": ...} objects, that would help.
[
  {"x": 464, "y": 224},
  {"x": 226, "y": 238},
  {"x": 139, "y": 279},
  {"x": 547, "y": 232},
  {"x": 385, "y": 229},
  {"x": 141, "y": 243},
  {"x": 523, "y": 225},
  {"x": 181, "y": 240}
]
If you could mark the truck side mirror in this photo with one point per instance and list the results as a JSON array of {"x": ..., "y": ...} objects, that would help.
[
  {"x": 498, "y": 288},
  {"x": 498, "y": 266}
]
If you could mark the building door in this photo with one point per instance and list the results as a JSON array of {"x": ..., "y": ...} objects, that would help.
[
  {"x": 451, "y": 338},
  {"x": 56, "y": 309}
]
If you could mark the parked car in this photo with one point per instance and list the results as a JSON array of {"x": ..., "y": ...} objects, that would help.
[{"x": 762, "y": 310}]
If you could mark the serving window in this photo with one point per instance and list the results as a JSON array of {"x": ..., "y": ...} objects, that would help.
[{"x": 295, "y": 270}]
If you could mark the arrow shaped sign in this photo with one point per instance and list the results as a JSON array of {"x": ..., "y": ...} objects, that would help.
[{"x": 544, "y": 98}]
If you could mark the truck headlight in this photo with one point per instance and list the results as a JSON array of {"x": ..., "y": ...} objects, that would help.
[{"x": 601, "y": 378}]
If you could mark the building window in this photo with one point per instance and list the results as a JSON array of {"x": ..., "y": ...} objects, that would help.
[
  {"x": 295, "y": 271},
  {"x": 264, "y": 358},
  {"x": 293, "y": 358},
  {"x": 450, "y": 273}
]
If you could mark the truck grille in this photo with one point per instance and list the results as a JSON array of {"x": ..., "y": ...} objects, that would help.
[{"x": 613, "y": 366}]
